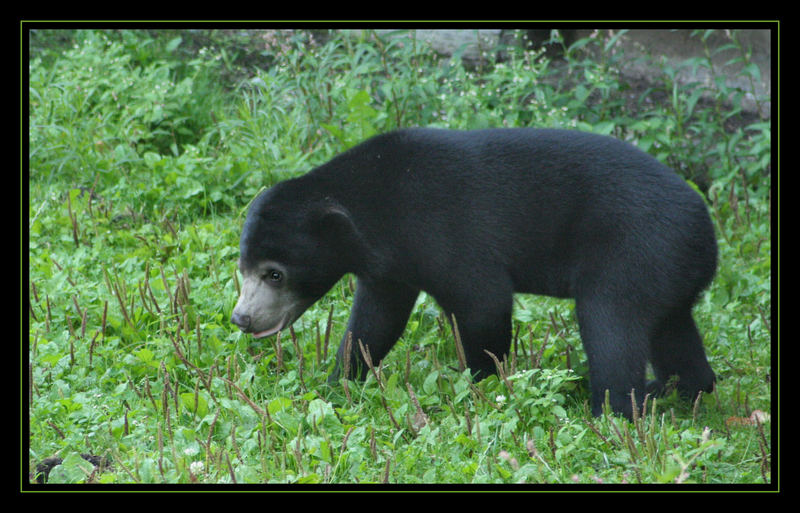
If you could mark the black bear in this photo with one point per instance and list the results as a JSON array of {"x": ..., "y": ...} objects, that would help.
[{"x": 472, "y": 217}]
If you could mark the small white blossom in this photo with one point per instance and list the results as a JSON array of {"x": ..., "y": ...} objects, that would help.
[{"x": 196, "y": 467}]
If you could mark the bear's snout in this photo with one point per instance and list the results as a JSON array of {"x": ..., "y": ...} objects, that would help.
[{"x": 243, "y": 321}]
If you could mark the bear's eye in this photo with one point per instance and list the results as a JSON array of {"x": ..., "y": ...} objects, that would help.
[{"x": 273, "y": 276}]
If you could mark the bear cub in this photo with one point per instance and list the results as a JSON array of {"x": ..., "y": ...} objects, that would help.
[{"x": 471, "y": 217}]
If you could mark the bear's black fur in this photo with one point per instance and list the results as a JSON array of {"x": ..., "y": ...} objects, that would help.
[{"x": 472, "y": 217}]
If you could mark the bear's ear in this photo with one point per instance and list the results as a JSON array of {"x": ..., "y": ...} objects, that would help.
[
  {"x": 333, "y": 222},
  {"x": 335, "y": 225}
]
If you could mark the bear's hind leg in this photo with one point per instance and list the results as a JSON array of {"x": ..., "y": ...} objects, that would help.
[
  {"x": 615, "y": 342},
  {"x": 677, "y": 350}
]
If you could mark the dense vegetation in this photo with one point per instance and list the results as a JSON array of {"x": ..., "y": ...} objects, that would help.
[{"x": 145, "y": 148}]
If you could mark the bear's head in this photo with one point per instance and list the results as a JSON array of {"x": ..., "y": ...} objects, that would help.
[{"x": 293, "y": 249}]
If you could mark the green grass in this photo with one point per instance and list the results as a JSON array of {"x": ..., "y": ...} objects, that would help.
[{"x": 145, "y": 150}]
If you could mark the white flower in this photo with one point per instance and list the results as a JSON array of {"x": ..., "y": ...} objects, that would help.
[
  {"x": 500, "y": 399},
  {"x": 196, "y": 467}
]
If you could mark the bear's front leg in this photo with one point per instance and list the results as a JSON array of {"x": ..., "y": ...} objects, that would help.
[
  {"x": 484, "y": 324},
  {"x": 488, "y": 333},
  {"x": 378, "y": 317}
]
